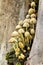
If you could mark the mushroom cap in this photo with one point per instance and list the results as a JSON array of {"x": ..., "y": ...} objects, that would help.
[
  {"x": 33, "y": 4},
  {"x": 32, "y": 31},
  {"x": 14, "y": 34},
  {"x": 27, "y": 34},
  {"x": 33, "y": 15},
  {"x": 21, "y": 45},
  {"x": 27, "y": 16},
  {"x": 21, "y": 31},
  {"x": 26, "y": 25},
  {"x": 20, "y": 23},
  {"x": 12, "y": 40},
  {"x": 33, "y": 21},
  {"x": 31, "y": 11},
  {"x": 28, "y": 48},
  {"x": 26, "y": 20},
  {"x": 22, "y": 56},
  {"x": 16, "y": 53},
  {"x": 18, "y": 27}
]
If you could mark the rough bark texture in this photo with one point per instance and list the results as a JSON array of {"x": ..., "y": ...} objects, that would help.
[{"x": 36, "y": 54}]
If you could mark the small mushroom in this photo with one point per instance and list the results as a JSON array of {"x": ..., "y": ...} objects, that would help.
[
  {"x": 21, "y": 45},
  {"x": 18, "y": 27},
  {"x": 12, "y": 40},
  {"x": 33, "y": 21},
  {"x": 20, "y": 23},
  {"x": 22, "y": 56},
  {"x": 33, "y": 4},
  {"x": 32, "y": 31},
  {"x": 28, "y": 48},
  {"x": 33, "y": 15},
  {"x": 21, "y": 31},
  {"x": 27, "y": 34},
  {"x": 26, "y": 20},
  {"x": 31, "y": 11},
  {"x": 14, "y": 34},
  {"x": 27, "y": 16},
  {"x": 26, "y": 25}
]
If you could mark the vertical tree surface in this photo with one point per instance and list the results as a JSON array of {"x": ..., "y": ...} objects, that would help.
[{"x": 36, "y": 54}]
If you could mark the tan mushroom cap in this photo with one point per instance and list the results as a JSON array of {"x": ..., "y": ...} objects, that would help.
[
  {"x": 20, "y": 22},
  {"x": 31, "y": 11},
  {"x": 27, "y": 34},
  {"x": 21, "y": 31},
  {"x": 12, "y": 40},
  {"x": 33, "y": 4},
  {"x": 32, "y": 31},
  {"x": 26, "y": 25},
  {"x": 26, "y": 20},
  {"x": 33, "y": 15},
  {"x": 33, "y": 21},
  {"x": 14, "y": 34},
  {"x": 18, "y": 27},
  {"x": 27, "y": 16}
]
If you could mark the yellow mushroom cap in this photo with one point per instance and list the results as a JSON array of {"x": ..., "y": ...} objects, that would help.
[
  {"x": 21, "y": 45},
  {"x": 26, "y": 21},
  {"x": 12, "y": 40},
  {"x": 14, "y": 34},
  {"x": 21, "y": 31},
  {"x": 33, "y": 4},
  {"x": 28, "y": 48},
  {"x": 22, "y": 56},
  {"x": 27, "y": 34},
  {"x": 24, "y": 51},
  {"x": 31, "y": 11},
  {"x": 26, "y": 25},
  {"x": 19, "y": 57},
  {"x": 20, "y": 22},
  {"x": 33, "y": 21},
  {"x": 18, "y": 27},
  {"x": 33, "y": 15},
  {"x": 16, "y": 53},
  {"x": 17, "y": 49},
  {"x": 32, "y": 31}
]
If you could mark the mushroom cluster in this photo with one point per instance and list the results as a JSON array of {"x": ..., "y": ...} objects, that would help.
[{"x": 23, "y": 35}]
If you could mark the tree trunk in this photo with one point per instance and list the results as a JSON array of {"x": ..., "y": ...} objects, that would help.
[{"x": 36, "y": 54}]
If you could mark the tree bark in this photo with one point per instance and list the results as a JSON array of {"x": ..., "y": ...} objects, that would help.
[{"x": 36, "y": 54}]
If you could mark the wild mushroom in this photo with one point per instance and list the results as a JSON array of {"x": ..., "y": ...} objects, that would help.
[
  {"x": 26, "y": 25},
  {"x": 33, "y": 4},
  {"x": 27, "y": 16},
  {"x": 27, "y": 34},
  {"x": 26, "y": 20},
  {"x": 20, "y": 23},
  {"x": 14, "y": 34},
  {"x": 12, "y": 40},
  {"x": 21, "y": 31},
  {"x": 21, "y": 45},
  {"x": 33, "y": 15},
  {"x": 31, "y": 11},
  {"x": 18, "y": 27},
  {"x": 32, "y": 31}
]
